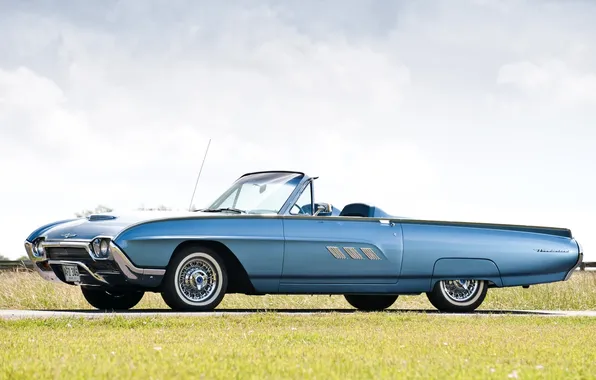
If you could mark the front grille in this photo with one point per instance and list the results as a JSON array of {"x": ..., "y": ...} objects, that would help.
[
  {"x": 67, "y": 253},
  {"x": 95, "y": 266},
  {"x": 103, "y": 266}
]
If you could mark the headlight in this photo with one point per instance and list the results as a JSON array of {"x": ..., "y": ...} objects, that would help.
[
  {"x": 96, "y": 244},
  {"x": 104, "y": 247},
  {"x": 38, "y": 250},
  {"x": 101, "y": 248}
]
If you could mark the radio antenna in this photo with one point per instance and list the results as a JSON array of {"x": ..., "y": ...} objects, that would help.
[{"x": 199, "y": 176}]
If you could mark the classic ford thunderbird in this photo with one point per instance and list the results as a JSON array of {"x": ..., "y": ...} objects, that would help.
[{"x": 267, "y": 234}]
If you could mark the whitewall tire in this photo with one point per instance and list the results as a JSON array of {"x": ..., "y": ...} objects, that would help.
[
  {"x": 196, "y": 280},
  {"x": 458, "y": 296}
]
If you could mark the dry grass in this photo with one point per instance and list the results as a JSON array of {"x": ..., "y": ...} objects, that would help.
[{"x": 26, "y": 290}]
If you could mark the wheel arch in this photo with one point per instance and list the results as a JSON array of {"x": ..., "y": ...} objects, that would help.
[
  {"x": 468, "y": 268},
  {"x": 238, "y": 279}
]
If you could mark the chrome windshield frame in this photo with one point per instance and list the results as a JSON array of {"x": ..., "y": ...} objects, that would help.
[
  {"x": 292, "y": 198},
  {"x": 295, "y": 195}
]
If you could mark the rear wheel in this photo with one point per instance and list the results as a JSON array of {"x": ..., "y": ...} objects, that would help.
[
  {"x": 370, "y": 303},
  {"x": 196, "y": 280},
  {"x": 104, "y": 299},
  {"x": 458, "y": 296}
]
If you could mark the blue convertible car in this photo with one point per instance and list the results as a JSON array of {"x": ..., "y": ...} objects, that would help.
[{"x": 267, "y": 234}]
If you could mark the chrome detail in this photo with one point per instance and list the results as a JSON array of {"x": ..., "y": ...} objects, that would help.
[
  {"x": 100, "y": 248},
  {"x": 46, "y": 275},
  {"x": 580, "y": 259},
  {"x": 460, "y": 290},
  {"x": 128, "y": 269},
  {"x": 551, "y": 250},
  {"x": 96, "y": 276},
  {"x": 296, "y": 193},
  {"x": 95, "y": 248},
  {"x": 197, "y": 279},
  {"x": 370, "y": 254},
  {"x": 104, "y": 247},
  {"x": 68, "y": 235},
  {"x": 38, "y": 250},
  {"x": 579, "y": 246},
  {"x": 95, "y": 217},
  {"x": 336, "y": 252},
  {"x": 353, "y": 253},
  {"x": 69, "y": 244}
]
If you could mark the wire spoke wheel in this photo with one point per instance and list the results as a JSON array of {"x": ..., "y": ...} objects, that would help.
[
  {"x": 461, "y": 295},
  {"x": 459, "y": 290},
  {"x": 197, "y": 279}
]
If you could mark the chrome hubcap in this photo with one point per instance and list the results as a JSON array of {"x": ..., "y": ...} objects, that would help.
[
  {"x": 197, "y": 279},
  {"x": 460, "y": 290}
]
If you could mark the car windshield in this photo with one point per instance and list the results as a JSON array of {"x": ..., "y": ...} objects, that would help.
[{"x": 259, "y": 193}]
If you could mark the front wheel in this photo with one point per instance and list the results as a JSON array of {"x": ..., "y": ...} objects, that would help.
[
  {"x": 196, "y": 280},
  {"x": 458, "y": 296},
  {"x": 370, "y": 303},
  {"x": 104, "y": 299}
]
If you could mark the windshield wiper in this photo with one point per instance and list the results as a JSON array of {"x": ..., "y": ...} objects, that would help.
[{"x": 230, "y": 209}]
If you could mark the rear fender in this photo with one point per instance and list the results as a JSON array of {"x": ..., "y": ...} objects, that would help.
[{"x": 474, "y": 269}]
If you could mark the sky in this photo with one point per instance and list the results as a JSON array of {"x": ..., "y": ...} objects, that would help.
[{"x": 474, "y": 110}]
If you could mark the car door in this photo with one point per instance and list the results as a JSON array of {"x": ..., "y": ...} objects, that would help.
[{"x": 338, "y": 250}]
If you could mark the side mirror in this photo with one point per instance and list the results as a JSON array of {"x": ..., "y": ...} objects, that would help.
[{"x": 323, "y": 208}]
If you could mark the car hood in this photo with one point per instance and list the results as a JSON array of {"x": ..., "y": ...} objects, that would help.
[{"x": 102, "y": 224}]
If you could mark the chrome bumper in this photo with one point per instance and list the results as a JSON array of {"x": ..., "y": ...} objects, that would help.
[
  {"x": 46, "y": 275},
  {"x": 580, "y": 259},
  {"x": 125, "y": 267}
]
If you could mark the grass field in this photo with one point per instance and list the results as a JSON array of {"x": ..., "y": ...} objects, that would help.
[
  {"x": 324, "y": 346},
  {"x": 327, "y": 346},
  {"x": 27, "y": 290}
]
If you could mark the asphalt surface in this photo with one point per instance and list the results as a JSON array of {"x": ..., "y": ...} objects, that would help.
[{"x": 19, "y": 314}]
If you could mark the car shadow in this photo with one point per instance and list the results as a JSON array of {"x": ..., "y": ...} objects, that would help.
[{"x": 297, "y": 311}]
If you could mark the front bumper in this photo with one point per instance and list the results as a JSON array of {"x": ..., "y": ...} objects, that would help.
[{"x": 114, "y": 271}]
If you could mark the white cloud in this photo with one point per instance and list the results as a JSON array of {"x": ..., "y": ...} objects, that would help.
[{"x": 553, "y": 81}]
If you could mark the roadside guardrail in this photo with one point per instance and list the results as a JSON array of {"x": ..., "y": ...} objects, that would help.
[{"x": 16, "y": 265}]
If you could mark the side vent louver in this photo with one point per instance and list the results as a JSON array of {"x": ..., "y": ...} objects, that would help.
[
  {"x": 353, "y": 253},
  {"x": 336, "y": 252},
  {"x": 370, "y": 254}
]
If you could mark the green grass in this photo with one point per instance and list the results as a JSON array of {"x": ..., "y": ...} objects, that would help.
[
  {"x": 324, "y": 346},
  {"x": 27, "y": 290},
  {"x": 328, "y": 346}
]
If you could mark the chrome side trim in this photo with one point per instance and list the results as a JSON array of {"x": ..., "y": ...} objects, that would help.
[
  {"x": 128, "y": 268},
  {"x": 83, "y": 266}
]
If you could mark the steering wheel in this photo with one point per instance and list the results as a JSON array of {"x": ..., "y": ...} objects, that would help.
[{"x": 300, "y": 210}]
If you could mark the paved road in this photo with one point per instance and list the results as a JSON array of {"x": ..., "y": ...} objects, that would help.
[{"x": 18, "y": 314}]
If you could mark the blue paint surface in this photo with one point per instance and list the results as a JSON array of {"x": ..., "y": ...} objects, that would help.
[{"x": 360, "y": 249}]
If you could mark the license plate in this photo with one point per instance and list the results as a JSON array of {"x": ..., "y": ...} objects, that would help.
[{"x": 71, "y": 273}]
